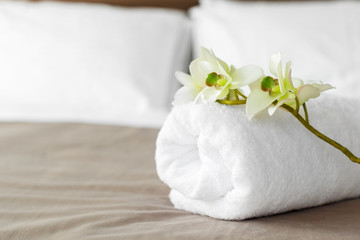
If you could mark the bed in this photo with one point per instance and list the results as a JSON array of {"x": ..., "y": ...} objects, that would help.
[{"x": 70, "y": 174}]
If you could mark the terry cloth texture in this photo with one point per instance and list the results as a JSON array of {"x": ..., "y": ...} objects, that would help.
[{"x": 219, "y": 163}]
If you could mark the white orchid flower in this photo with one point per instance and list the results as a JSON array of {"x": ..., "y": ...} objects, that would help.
[
  {"x": 284, "y": 89},
  {"x": 211, "y": 79},
  {"x": 191, "y": 88}
]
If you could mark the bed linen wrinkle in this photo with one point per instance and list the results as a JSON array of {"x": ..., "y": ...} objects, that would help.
[{"x": 93, "y": 182}]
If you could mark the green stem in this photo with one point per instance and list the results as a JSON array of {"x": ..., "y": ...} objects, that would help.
[
  {"x": 233, "y": 95},
  {"x": 297, "y": 104},
  {"x": 305, "y": 123},
  {"x": 239, "y": 93},
  {"x": 306, "y": 113},
  {"x": 232, "y": 98},
  {"x": 335, "y": 144},
  {"x": 231, "y": 102}
]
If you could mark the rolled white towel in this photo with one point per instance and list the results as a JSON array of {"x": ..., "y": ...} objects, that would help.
[{"x": 219, "y": 163}]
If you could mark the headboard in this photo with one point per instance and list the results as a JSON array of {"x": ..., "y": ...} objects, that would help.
[{"x": 179, "y": 4}]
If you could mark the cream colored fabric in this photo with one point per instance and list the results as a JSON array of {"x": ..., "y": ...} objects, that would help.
[{"x": 78, "y": 182}]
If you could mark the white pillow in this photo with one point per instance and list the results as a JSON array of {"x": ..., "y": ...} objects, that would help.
[
  {"x": 90, "y": 62},
  {"x": 322, "y": 38}
]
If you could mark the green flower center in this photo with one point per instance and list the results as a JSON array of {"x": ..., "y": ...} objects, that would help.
[
  {"x": 271, "y": 85},
  {"x": 215, "y": 80}
]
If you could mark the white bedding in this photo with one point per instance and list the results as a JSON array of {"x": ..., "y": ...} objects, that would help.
[
  {"x": 321, "y": 38},
  {"x": 103, "y": 64},
  {"x": 89, "y": 62}
]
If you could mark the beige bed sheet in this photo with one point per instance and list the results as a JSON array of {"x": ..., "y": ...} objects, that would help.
[{"x": 79, "y": 181}]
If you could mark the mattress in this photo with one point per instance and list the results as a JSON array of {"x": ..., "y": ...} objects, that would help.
[{"x": 82, "y": 181}]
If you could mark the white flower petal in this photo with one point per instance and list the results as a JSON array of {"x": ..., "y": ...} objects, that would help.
[
  {"x": 273, "y": 108},
  {"x": 256, "y": 84},
  {"x": 288, "y": 83},
  {"x": 200, "y": 70},
  {"x": 184, "y": 95},
  {"x": 224, "y": 67},
  {"x": 245, "y": 75},
  {"x": 206, "y": 68},
  {"x": 288, "y": 73},
  {"x": 287, "y": 69},
  {"x": 257, "y": 101},
  {"x": 281, "y": 78},
  {"x": 275, "y": 60},
  {"x": 297, "y": 82},
  {"x": 306, "y": 92},
  {"x": 232, "y": 69},
  {"x": 208, "y": 95},
  {"x": 210, "y": 57},
  {"x": 206, "y": 55},
  {"x": 184, "y": 79},
  {"x": 311, "y": 91},
  {"x": 223, "y": 93},
  {"x": 322, "y": 87}
]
